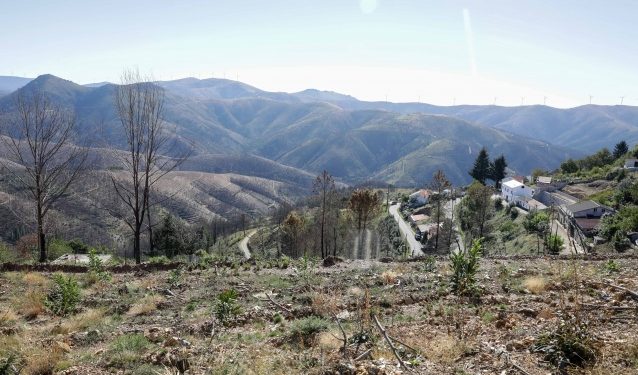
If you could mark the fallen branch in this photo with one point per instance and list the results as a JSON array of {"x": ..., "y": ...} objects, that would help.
[
  {"x": 617, "y": 308},
  {"x": 622, "y": 288},
  {"x": 345, "y": 337},
  {"x": 404, "y": 344},
  {"x": 363, "y": 355},
  {"x": 283, "y": 308},
  {"x": 387, "y": 339}
]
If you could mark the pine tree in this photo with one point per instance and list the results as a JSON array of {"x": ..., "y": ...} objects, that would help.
[
  {"x": 620, "y": 149},
  {"x": 481, "y": 170},
  {"x": 497, "y": 170}
]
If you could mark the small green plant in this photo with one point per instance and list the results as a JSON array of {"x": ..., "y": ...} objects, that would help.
[
  {"x": 611, "y": 266},
  {"x": 174, "y": 277},
  {"x": 96, "y": 267},
  {"x": 126, "y": 350},
  {"x": 159, "y": 260},
  {"x": 64, "y": 296},
  {"x": 278, "y": 318},
  {"x": 304, "y": 330},
  {"x": 569, "y": 344},
  {"x": 227, "y": 308},
  {"x": 554, "y": 243},
  {"x": 429, "y": 264},
  {"x": 7, "y": 365},
  {"x": 465, "y": 266}
]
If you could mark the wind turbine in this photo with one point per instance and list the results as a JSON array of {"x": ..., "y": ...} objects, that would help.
[
  {"x": 622, "y": 99},
  {"x": 522, "y": 100},
  {"x": 544, "y": 100},
  {"x": 590, "y": 98},
  {"x": 495, "y": 100}
]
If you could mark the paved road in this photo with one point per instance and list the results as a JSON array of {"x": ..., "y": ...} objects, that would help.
[
  {"x": 406, "y": 231},
  {"x": 448, "y": 208},
  {"x": 243, "y": 244},
  {"x": 568, "y": 248}
]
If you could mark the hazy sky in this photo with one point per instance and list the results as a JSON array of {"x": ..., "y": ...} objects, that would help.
[{"x": 432, "y": 51}]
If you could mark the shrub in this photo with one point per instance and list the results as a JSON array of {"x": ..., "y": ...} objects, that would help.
[
  {"x": 78, "y": 247},
  {"x": 570, "y": 344},
  {"x": 64, "y": 296},
  {"x": 465, "y": 266},
  {"x": 304, "y": 330},
  {"x": 554, "y": 243},
  {"x": 96, "y": 267},
  {"x": 611, "y": 266},
  {"x": 7, "y": 365},
  {"x": 620, "y": 242},
  {"x": 429, "y": 264},
  {"x": 6, "y": 255},
  {"x": 226, "y": 308},
  {"x": 56, "y": 248},
  {"x": 174, "y": 277},
  {"x": 158, "y": 260}
]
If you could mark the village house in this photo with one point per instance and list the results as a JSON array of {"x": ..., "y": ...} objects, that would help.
[
  {"x": 516, "y": 191},
  {"x": 416, "y": 219},
  {"x": 631, "y": 164},
  {"x": 583, "y": 218},
  {"x": 419, "y": 198}
]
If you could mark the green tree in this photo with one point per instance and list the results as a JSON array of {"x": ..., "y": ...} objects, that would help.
[
  {"x": 554, "y": 243},
  {"x": 537, "y": 222},
  {"x": 475, "y": 210},
  {"x": 569, "y": 166},
  {"x": 497, "y": 170},
  {"x": 481, "y": 169},
  {"x": 620, "y": 149}
]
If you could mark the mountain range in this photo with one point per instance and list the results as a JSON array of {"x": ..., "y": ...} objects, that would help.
[
  {"x": 313, "y": 130},
  {"x": 254, "y": 149}
]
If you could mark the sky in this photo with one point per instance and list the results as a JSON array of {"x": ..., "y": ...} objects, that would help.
[{"x": 563, "y": 53}]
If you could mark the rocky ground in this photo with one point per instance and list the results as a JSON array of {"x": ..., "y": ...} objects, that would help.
[{"x": 532, "y": 315}]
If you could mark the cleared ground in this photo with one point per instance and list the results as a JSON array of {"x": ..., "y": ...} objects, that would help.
[{"x": 288, "y": 319}]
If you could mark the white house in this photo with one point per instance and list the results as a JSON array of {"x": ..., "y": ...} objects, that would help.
[
  {"x": 515, "y": 191},
  {"x": 631, "y": 164},
  {"x": 419, "y": 198}
]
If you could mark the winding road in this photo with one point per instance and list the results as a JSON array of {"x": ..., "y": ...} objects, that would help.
[
  {"x": 415, "y": 246},
  {"x": 243, "y": 244}
]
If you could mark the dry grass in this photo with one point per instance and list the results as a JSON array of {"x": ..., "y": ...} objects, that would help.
[
  {"x": 42, "y": 361},
  {"x": 36, "y": 280},
  {"x": 83, "y": 321},
  {"x": 324, "y": 305},
  {"x": 31, "y": 305},
  {"x": 355, "y": 291},
  {"x": 146, "y": 305},
  {"x": 8, "y": 317},
  {"x": 389, "y": 277},
  {"x": 535, "y": 284},
  {"x": 328, "y": 341},
  {"x": 443, "y": 349}
]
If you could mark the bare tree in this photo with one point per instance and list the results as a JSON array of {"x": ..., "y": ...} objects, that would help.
[
  {"x": 40, "y": 135},
  {"x": 438, "y": 185},
  {"x": 324, "y": 185},
  {"x": 140, "y": 108}
]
